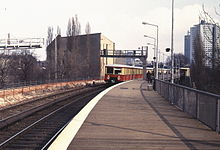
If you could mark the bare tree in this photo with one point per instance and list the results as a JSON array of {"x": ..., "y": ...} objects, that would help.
[
  {"x": 73, "y": 27},
  {"x": 5, "y": 66},
  {"x": 77, "y": 25},
  {"x": 49, "y": 35},
  {"x": 24, "y": 67},
  {"x": 58, "y": 30},
  {"x": 88, "y": 28},
  {"x": 69, "y": 28},
  {"x": 179, "y": 60},
  {"x": 211, "y": 36},
  {"x": 207, "y": 78},
  {"x": 198, "y": 65}
]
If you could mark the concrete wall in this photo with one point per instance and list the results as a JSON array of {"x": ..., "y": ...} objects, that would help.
[
  {"x": 107, "y": 44},
  {"x": 78, "y": 57}
]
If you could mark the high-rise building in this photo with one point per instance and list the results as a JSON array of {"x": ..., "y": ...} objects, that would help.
[
  {"x": 209, "y": 35},
  {"x": 187, "y": 47}
]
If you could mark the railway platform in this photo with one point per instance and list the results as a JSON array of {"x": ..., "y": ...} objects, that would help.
[{"x": 130, "y": 116}]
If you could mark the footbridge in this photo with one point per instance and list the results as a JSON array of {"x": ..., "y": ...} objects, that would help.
[{"x": 141, "y": 54}]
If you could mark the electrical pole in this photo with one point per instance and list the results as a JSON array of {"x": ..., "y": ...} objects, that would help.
[{"x": 55, "y": 59}]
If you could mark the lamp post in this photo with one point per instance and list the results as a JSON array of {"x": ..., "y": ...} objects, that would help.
[
  {"x": 161, "y": 61},
  {"x": 156, "y": 70},
  {"x": 152, "y": 44},
  {"x": 43, "y": 74},
  {"x": 163, "y": 68},
  {"x": 172, "y": 57},
  {"x": 154, "y": 65},
  {"x": 171, "y": 49},
  {"x": 55, "y": 57}
]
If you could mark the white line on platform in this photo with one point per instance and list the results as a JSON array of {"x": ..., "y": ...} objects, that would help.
[{"x": 66, "y": 136}]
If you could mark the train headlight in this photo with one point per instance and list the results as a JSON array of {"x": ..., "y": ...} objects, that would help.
[
  {"x": 118, "y": 77},
  {"x": 108, "y": 77}
]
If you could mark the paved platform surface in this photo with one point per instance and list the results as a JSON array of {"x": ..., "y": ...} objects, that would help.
[{"x": 130, "y": 117}]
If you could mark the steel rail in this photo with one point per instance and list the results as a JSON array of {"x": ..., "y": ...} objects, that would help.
[{"x": 47, "y": 116}]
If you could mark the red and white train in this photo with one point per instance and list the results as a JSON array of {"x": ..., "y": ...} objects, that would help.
[{"x": 118, "y": 73}]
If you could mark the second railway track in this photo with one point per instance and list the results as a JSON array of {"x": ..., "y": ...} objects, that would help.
[{"x": 34, "y": 131}]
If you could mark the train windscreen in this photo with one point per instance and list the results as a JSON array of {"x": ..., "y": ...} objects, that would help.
[{"x": 109, "y": 70}]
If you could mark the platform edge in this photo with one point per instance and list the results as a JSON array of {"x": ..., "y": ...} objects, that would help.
[{"x": 64, "y": 138}]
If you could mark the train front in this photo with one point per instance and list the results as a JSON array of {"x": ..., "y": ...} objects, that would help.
[{"x": 113, "y": 73}]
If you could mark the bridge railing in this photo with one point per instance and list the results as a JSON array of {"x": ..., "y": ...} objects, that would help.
[
  {"x": 201, "y": 105},
  {"x": 123, "y": 53},
  {"x": 21, "y": 43}
]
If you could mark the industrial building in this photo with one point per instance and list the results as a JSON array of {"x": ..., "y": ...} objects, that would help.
[{"x": 78, "y": 57}]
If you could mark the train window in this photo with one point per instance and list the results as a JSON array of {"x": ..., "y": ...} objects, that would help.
[
  {"x": 126, "y": 70},
  {"x": 109, "y": 70},
  {"x": 117, "y": 70},
  {"x": 123, "y": 71}
]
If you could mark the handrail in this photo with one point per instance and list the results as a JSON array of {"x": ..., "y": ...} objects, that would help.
[
  {"x": 202, "y": 105},
  {"x": 192, "y": 89},
  {"x": 124, "y": 53}
]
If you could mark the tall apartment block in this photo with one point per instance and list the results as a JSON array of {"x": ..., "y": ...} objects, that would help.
[{"x": 209, "y": 34}]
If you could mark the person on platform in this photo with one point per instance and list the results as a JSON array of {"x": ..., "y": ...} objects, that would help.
[{"x": 149, "y": 77}]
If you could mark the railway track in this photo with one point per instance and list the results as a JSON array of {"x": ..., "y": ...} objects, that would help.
[
  {"x": 14, "y": 113},
  {"x": 39, "y": 128}
]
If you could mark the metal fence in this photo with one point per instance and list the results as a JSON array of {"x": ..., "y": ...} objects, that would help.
[
  {"x": 201, "y": 105},
  {"x": 20, "y": 92}
]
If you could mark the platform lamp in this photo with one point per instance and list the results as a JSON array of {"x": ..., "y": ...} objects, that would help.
[
  {"x": 171, "y": 68},
  {"x": 154, "y": 25}
]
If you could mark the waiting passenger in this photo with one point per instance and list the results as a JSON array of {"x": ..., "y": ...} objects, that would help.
[{"x": 149, "y": 77}]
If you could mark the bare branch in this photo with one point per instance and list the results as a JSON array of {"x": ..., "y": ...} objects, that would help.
[
  {"x": 216, "y": 12},
  {"x": 208, "y": 17},
  {"x": 58, "y": 30},
  {"x": 88, "y": 28}
]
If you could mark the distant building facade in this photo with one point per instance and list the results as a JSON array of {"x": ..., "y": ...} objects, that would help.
[
  {"x": 108, "y": 45},
  {"x": 187, "y": 47},
  {"x": 209, "y": 34},
  {"x": 78, "y": 57}
]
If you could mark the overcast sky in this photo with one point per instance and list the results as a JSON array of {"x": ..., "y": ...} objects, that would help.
[{"x": 119, "y": 20}]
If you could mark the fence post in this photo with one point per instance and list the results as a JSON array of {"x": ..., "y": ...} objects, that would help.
[
  {"x": 13, "y": 92},
  {"x": 4, "y": 94},
  {"x": 22, "y": 91},
  {"x": 218, "y": 116},
  {"x": 197, "y": 105},
  {"x": 159, "y": 86},
  {"x": 171, "y": 94},
  {"x": 184, "y": 99}
]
